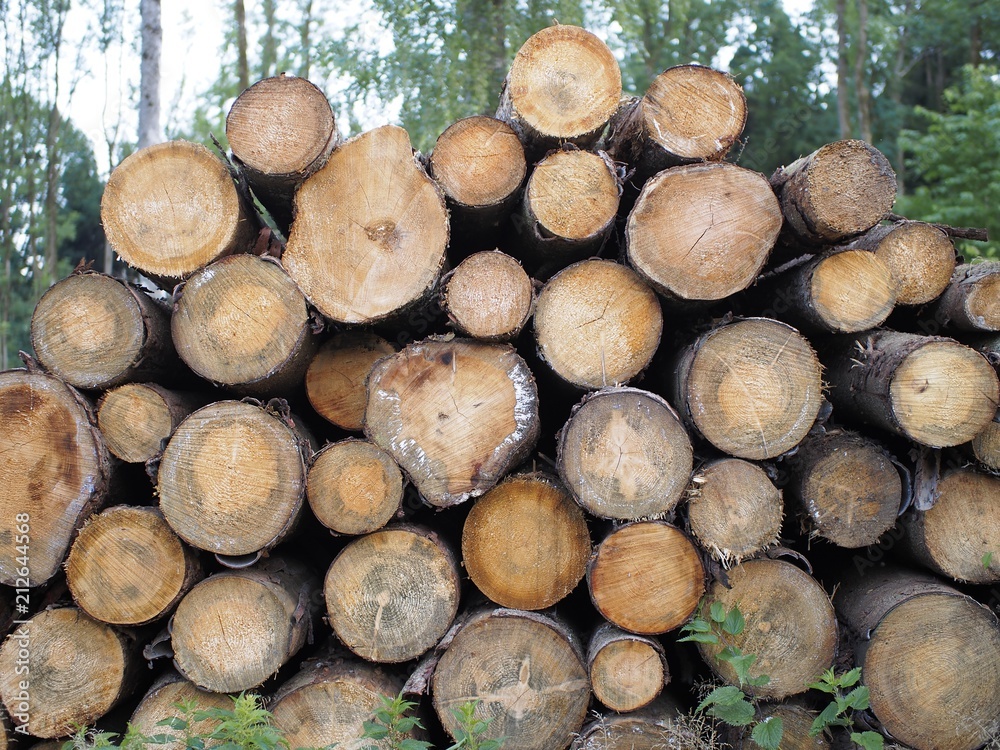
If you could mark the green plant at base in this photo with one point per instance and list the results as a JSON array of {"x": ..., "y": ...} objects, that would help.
[
  {"x": 728, "y": 703},
  {"x": 987, "y": 559},
  {"x": 837, "y": 713},
  {"x": 392, "y": 725},
  {"x": 468, "y": 735}
]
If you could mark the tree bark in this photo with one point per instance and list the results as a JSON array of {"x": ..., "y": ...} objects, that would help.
[
  {"x": 971, "y": 301},
  {"x": 149, "y": 73},
  {"x": 137, "y": 418},
  {"x": 489, "y": 297},
  {"x": 335, "y": 379},
  {"x": 627, "y": 671},
  {"x": 625, "y": 455}
]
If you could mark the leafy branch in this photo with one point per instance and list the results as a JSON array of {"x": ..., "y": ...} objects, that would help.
[{"x": 838, "y": 712}]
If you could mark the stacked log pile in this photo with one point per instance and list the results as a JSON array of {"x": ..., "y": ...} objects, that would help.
[{"x": 493, "y": 424}]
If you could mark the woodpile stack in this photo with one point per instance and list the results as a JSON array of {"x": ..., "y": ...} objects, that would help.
[{"x": 494, "y": 424}]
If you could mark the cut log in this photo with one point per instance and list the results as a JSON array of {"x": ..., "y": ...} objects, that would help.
[
  {"x": 354, "y": 487},
  {"x": 563, "y": 87},
  {"x": 479, "y": 164},
  {"x": 625, "y": 455},
  {"x": 929, "y": 389},
  {"x": 847, "y": 488},
  {"x": 281, "y": 130},
  {"x": 985, "y": 447},
  {"x": 525, "y": 670},
  {"x": 223, "y": 464},
  {"x": 838, "y": 191},
  {"x": 61, "y": 670},
  {"x": 127, "y": 567},
  {"x": 627, "y": 671},
  {"x": 930, "y": 657},
  {"x": 525, "y": 543},
  {"x": 971, "y": 302},
  {"x": 136, "y": 418},
  {"x": 690, "y": 113},
  {"x": 734, "y": 510},
  {"x": 370, "y": 230},
  {"x": 327, "y": 703},
  {"x": 920, "y": 256},
  {"x": 655, "y": 727},
  {"x": 242, "y": 323},
  {"x": 96, "y": 332},
  {"x": 489, "y": 297},
  {"x": 54, "y": 473},
  {"x": 646, "y": 577},
  {"x": 237, "y": 628},
  {"x": 163, "y": 700},
  {"x": 172, "y": 208},
  {"x": 796, "y": 721},
  {"x": 730, "y": 222},
  {"x": 597, "y": 324},
  {"x": 392, "y": 595},
  {"x": 456, "y": 415},
  {"x": 569, "y": 209},
  {"x": 843, "y": 291},
  {"x": 790, "y": 626},
  {"x": 335, "y": 380},
  {"x": 959, "y": 536},
  {"x": 752, "y": 388}
]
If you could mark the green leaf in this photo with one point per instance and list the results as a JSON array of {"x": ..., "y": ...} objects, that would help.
[
  {"x": 697, "y": 625},
  {"x": 195, "y": 743},
  {"x": 826, "y": 717},
  {"x": 868, "y": 740},
  {"x": 850, "y": 679},
  {"x": 373, "y": 731},
  {"x": 160, "y": 739},
  {"x": 726, "y": 695},
  {"x": 987, "y": 559},
  {"x": 738, "y": 714},
  {"x": 717, "y": 612},
  {"x": 734, "y": 622},
  {"x": 767, "y": 733},
  {"x": 173, "y": 722},
  {"x": 758, "y": 681},
  {"x": 700, "y": 638},
  {"x": 741, "y": 664},
  {"x": 412, "y": 744},
  {"x": 857, "y": 698}
]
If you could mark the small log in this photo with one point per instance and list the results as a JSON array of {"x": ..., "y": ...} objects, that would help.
[
  {"x": 597, "y": 324},
  {"x": 128, "y": 567},
  {"x": 790, "y": 626},
  {"x": 242, "y": 323},
  {"x": 456, "y": 415},
  {"x": 54, "y": 473},
  {"x": 563, "y": 87},
  {"x": 136, "y": 418},
  {"x": 237, "y": 628},
  {"x": 527, "y": 673},
  {"x": 479, "y": 164},
  {"x": 173, "y": 208},
  {"x": 930, "y": 657},
  {"x": 734, "y": 510},
  {"x": 752, "y": 388},
  {"x": 971, "y": 301},
  {"x": 702, "y": 232},
  {"x": 838, "y": 191},
  {"x": 646, "y": 577},
  {"x": 489, "y": 297},
  {"x": 624, "y": 454},
  {"x": 985, "y": 447},
  {"x": 569, "y": 209},
  {"x": 657, "y": 726},
  {"x": 335, "y": 380},
  {"x": 96, "y": 332},
  {"x": 392, "y": 595},
  {"x": 163, "y": 700},
  {"x": 223, "y": 464},
  {"x": 921, "y": 257},
  {"x": 846, "y": 486},
  {"x": 525, "y": 543},
  {"x": 354, "y": 487},
  {"x": 690, "y": 113},
  {"x": 959, "y": 536},
  {"x": 281, "y": 130},
  {"x": 627, "y": 671},
  {"x": 61, "y": 670},
  {"x": 929, "y": 389},
  {"x": 370, "y": 230}
]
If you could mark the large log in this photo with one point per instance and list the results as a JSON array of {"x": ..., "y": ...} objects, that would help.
[
  {"x": 172, "y": 208},
  {"x": 237, "y": 628},
  {"x": 930, "y": 657},
  {"x": 128, "y": 567},
  {"x": 335, "y": 379},
  {"x": 627, "y": 671},
  {"x": 281, "y": 130},
  {"x": 242, "y": 323},
  {"x": 163, "y": 701},
  {"x": 137, "y": 418},
  {"x": 657, "y": 726},
  {"x": 624, "y": 454},
  {"x": 929, "y": 389},
  {"x": 54, "y": 473},
  {"x": 96, "y": 332},
  {"x": 489, "y": 297},
  {"x": 796, "y": 723},
  {"x": 752, "y": 388},
  {"x": 525, "y": 543},
  {"x": 527, "y": 673},
  {"x": 370, "y": 230},
  {"x": 456, "y": 415},
  {"x": 702, "y": 232}
]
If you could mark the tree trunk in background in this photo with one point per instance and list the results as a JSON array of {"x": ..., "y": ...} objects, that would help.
[
  {"x": 269, "y": 44},
  {"x": 53, "y": 173},
  {"x": 864, "y": 96},
  {"x": 149, "y": 81},
  {"x": 305, "y": 31},
  {"x": 843, "y": 116},
  {"x": 242, "y": 67}
]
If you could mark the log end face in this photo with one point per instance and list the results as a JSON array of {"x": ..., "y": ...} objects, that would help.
[
  {"x": 627, "y": 674},
  {"x": 478, "y": 161},
  {"x": 573, "y": 194},
  {"x": 135, "y": 420},
  {"x": 921, "y": 258},
  {"x": 853, "y": 291},
  {"x": 961, "y": 532},
  {"x": 335, "y": 379},
  {"x": 490, "y": 296}
]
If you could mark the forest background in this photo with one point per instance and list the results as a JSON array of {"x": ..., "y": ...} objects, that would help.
[{"x": 918, "y": 78}]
